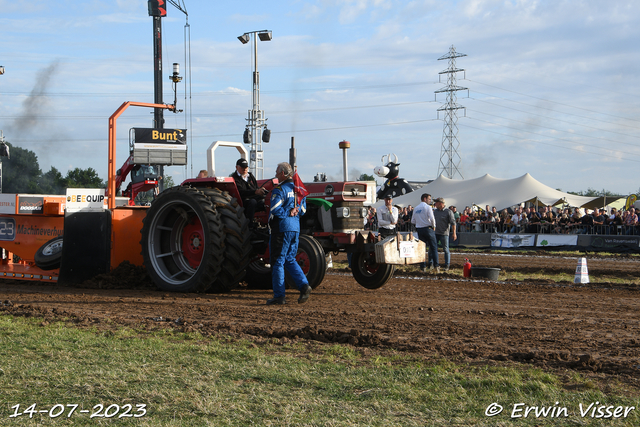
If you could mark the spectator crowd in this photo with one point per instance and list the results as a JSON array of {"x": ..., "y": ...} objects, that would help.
[{"x": 542, "y": 220}]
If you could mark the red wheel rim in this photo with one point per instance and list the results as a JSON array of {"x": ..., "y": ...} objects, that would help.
[
  {"x": 193, "y": 242},
  {"x": 370, "y": 265},
  {"x": 304, "y": 262}
]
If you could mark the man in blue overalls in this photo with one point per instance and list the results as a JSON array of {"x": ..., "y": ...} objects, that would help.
[{"x": 284, "y": 224}]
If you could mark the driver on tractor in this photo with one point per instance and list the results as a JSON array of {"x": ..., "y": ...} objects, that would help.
[{"x": 252, "y": 196}]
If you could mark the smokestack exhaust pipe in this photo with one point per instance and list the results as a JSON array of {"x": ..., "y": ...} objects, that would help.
[{"x": 344, "y": 146}]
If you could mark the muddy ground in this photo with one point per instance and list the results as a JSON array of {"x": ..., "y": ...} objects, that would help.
[{"x": 591, "y": 328}]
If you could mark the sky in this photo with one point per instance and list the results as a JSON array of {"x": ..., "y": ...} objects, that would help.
[{"x": 550, "y": 84}]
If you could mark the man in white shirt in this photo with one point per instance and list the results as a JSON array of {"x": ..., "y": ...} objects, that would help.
[
  {"x": 425, "y": 224},
  {"x": 387, "y": 217},
  {"x": 516, "y": 219}
]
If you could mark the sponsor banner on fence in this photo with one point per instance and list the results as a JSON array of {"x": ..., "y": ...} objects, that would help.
[
  {"x": 471, "y": 239},
  {"x": 556, "y": 240},
  {"x": 512, "y": 240},
  {"x": 604, "y": 242},
  {"x": 7, "y": 203}
]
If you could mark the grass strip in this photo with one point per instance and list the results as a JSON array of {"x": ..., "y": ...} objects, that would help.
[{"x": 186, "y": 379}]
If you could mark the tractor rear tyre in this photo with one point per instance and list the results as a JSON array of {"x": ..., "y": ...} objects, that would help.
[
  {"x": 48, "y": 256},
  {"x": 367, "y": 272},
  {"x": 237, "y": 239},
  {"x": 183, "y": 241}
]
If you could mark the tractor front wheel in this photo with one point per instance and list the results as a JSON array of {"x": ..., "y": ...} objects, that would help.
[
  {"x": 312, "y": 261},
  {"x": 367, "y": 272},
  {"x": 310, "y": 257}
]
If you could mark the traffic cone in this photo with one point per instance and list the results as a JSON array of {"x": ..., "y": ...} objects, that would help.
[{"x": 582, "y": 274}]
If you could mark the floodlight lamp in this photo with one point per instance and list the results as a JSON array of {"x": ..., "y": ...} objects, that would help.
[
  {"x": 265, "y": 36},
  {"x": 176, "y": 73},
  {"x": 244, "y": 38}
]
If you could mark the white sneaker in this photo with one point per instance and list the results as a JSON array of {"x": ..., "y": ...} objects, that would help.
[{"x": 438, "y": 270}]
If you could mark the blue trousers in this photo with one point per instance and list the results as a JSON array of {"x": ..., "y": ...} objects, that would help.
[
  {"x": 283, "y": 248},
  {"x": 444, "y": 241},
  {"x": 428, "y": 236}
]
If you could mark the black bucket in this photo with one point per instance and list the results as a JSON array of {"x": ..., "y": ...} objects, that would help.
[{"x": 485, "y": 272}]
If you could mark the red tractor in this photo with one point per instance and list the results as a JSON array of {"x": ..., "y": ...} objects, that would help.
[{"x": 196, "y": 238}]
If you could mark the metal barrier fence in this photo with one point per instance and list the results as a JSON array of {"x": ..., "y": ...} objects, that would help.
[{"x": 549, "y": 228}]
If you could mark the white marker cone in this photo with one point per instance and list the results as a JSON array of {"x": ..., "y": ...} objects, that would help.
[{"x": 582, "y": 274}]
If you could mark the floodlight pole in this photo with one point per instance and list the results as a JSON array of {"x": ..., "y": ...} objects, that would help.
[{"x": 256, "y": 120}]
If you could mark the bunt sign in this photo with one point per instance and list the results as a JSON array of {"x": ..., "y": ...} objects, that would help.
[
  {"x": 163, "y": 139},
  {"x": 152, "y": 146}
]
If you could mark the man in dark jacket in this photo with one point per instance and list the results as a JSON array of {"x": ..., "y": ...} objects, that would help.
[
  {"x": 252, "y": 196},
  {"x": 444, "y": 220}
]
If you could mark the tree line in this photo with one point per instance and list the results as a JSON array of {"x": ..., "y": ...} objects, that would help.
[
  {"x": 592, "y": 192},
  {"x": 21, "y": 173}
]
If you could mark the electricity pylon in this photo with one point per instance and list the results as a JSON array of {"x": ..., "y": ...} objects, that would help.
[{"x": 449, "y": 157}]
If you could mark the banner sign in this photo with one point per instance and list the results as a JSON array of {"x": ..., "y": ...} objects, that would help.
[
  {"x": 7, "y": 203},
  {"x": 605, "y": 242},
  {"x": 85, "y": 200},
  {"x": 30, "y": 205},
  {"x": 545, "y": 240},
  {"x": 163, "y": 139},
  {"x": 512, "y": 240}
]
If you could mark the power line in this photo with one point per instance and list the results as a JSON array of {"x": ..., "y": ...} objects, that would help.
[
  {"x": 554, "y": 118},
  {"x": 558, "y": 130},
  {"x": 121, "y": 95},
  {"x": 555, "y": 102},
  {"x": 314, "y": 110},
  {"x": 546, "y": 143},
  {"x": 289, "y": 132},
  {"x": 553, "y": 145}
]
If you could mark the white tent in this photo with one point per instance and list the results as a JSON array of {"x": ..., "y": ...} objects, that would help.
[{"x": 487, "y": 190}]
